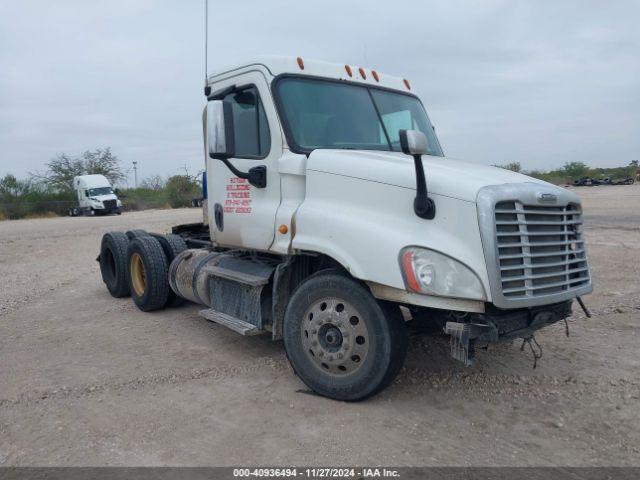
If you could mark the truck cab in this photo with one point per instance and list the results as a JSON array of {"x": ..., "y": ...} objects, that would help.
[
  {"x": 95, "y": 196},
  {"x": 326, "y": 138},
  {"x": 334, "y": 218}
]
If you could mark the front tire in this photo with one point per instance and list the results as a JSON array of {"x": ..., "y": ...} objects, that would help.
[{"x": 340, "y": 341}]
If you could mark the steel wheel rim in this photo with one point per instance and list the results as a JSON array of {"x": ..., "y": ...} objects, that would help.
[
  {"x": 138, "y": 276},
  {"x": 334, "y": 336}
]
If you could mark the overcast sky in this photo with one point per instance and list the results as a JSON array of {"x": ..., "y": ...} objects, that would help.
[{"x": 539, "y": 82}]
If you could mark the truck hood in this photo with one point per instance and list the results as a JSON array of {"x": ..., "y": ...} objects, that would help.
[{"x": 445, "y": 176}]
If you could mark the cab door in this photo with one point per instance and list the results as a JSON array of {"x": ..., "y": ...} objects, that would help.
[{"x": 240, "y": 214}]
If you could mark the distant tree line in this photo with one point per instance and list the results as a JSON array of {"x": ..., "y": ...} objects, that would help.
[
  {"x": 575, "y": 171},
  {"x": 51, "y": 192}
]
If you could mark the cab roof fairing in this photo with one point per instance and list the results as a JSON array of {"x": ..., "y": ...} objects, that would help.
[{"x": 281, "y": 65}]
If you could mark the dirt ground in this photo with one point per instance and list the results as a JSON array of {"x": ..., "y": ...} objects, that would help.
[{"x": 86, "y": 379}]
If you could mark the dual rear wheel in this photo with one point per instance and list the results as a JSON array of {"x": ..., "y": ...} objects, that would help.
[{"x": 137, "y": 264}]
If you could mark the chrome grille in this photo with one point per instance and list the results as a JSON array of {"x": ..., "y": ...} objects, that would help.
[{"x": 541, "y": 249}]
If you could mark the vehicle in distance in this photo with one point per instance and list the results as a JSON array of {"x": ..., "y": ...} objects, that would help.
[{"x": 95, "y": 196}]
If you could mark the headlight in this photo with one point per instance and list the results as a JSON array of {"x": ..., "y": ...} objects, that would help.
[{"x": 426, "y": 271}]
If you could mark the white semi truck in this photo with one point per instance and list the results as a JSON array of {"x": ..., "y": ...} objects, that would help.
[
  {"x": 95, "y": 196},
  {"x": 334, "y": 217}
]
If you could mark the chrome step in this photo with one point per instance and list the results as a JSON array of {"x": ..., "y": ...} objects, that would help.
[{"x": 235, "y": 324}]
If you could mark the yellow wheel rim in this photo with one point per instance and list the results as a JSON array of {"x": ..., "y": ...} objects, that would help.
[{"x": 138, "y": 277}]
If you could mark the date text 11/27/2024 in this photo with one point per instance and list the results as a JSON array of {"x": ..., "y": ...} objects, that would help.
[{"x": 314, "y": 473}]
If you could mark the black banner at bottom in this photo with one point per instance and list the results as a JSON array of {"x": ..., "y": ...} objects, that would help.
[{"x": 314, "y": 473}]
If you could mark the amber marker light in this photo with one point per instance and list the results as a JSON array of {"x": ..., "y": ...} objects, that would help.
[
  {"x": 362, "y": 74},
  {"x": 375, "y": 75},
  {"x": 410, "y": 276},
  {"x": 348, "y": 69},
  {"x": 300, "y": 63},
  {"x": 283, "y": 229},
  {"x": 406, "y": 84}
]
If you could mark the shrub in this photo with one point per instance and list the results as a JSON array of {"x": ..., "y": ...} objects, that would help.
[{"x": 181, "y": 189}]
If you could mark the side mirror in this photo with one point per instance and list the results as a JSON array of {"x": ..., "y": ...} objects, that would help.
[
  {"x": 221, "y": 141},
  {"x": 220, "y": 135},
  {"x": 413, "y": 142}
]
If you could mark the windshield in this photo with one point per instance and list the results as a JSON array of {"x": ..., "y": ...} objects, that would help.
[
  {"x": 94, "y": 192},
  {"x": 330, "y": 114}
]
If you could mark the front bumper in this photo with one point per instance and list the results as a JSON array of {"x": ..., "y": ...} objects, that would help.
[
  {"x": 497, "y": 325},
  {"x": 107, "y": 208},
  {"x": 523, "y": 323}
]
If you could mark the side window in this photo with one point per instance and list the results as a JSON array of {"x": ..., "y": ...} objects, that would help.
[
  {"x": 250, "y": 123},
  {"x": 396, "y": 121}
]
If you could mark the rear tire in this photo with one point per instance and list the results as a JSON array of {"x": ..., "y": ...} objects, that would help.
[
  {"x": 113, "y": 263},
  {"x": 137, "y": 232},
  {"x": 172, "y": 245},
  {"x": 147, "y": 273},
  {"x": 340, "y": 341}
]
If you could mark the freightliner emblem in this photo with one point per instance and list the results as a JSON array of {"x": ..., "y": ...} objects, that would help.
[{"x": 547, "y": 198}]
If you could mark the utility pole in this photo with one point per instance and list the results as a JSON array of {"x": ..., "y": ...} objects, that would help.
[{"x": 135, "y": 173}]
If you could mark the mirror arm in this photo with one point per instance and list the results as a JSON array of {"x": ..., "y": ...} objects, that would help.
[
  {"x": 223, "y": 92},
  {"x": 257, "y": 176},
  {"x": 422, "y": 204},
  {"x": 220, "y": 94}
]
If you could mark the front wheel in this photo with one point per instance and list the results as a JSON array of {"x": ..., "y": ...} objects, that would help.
[{"x": 340, "y": 341}]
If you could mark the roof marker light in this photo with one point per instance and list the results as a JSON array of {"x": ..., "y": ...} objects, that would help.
[
  {"x": 375, "y": 75},
  {"x": 300, "y": 63},
  {"x": 406, "y": 84},
  {"x": 362, "y": 74},
  {"x": 348, "y": 69}
]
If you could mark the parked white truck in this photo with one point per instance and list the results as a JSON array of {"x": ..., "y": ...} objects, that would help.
[
  {"x": 95, "y": 196},
  {"x": 334, "y": 218}
]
